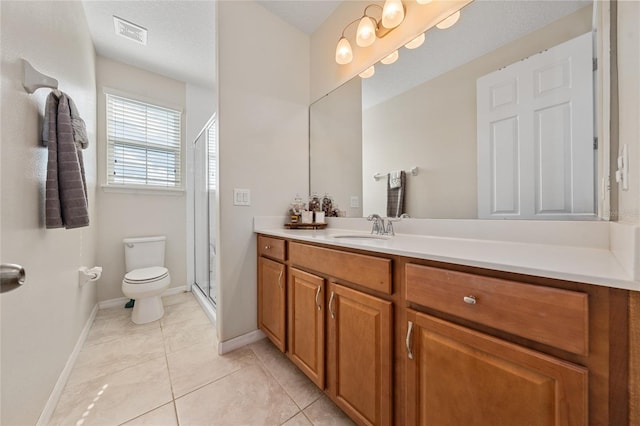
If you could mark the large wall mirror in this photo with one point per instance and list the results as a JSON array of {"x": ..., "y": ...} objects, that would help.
[{"x": 422, "y": 112}]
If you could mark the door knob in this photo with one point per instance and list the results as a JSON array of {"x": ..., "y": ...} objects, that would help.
[{"x": 12, "y": 276}]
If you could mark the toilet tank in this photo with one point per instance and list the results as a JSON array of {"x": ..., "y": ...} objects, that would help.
[{"x": 143, "y": 252}]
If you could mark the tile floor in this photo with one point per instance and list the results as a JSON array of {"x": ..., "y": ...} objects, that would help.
[{"x": 168, "y": 372}]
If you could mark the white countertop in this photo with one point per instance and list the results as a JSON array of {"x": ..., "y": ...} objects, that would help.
[{"x": 589, "y": 261}]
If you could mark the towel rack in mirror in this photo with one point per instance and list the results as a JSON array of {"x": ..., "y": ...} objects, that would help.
[{"x": 413, "y": 171}]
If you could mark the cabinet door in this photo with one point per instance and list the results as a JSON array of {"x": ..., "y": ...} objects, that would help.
[
  {"x": 457, "y": 376},
  {"x": 306, "y": 324},
  {"x": 360, "y": 355},
  {"x": 272, "y": 301}
]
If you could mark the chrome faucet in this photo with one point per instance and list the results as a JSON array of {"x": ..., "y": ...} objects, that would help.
[
  {"x": 390, "y": 230},
  {"x": 379, "y": 227},
  {"x": 378, "y": 224}
]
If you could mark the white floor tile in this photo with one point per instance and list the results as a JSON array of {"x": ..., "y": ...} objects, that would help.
[{"x": 168, "y": 372}]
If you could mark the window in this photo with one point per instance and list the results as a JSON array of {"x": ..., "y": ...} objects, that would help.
[{"x": 143, "y": 144}]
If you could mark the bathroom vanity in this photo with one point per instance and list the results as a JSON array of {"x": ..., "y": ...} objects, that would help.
[{"x": 396, "y": 338}]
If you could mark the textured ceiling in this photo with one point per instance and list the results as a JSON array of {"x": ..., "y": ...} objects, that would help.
[
  {"x": 181, "y": 38},
  {"x": 305, "y": 15}
]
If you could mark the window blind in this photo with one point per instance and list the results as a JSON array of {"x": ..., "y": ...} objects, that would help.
[
  {"x": 143, "y": 144},
  {"x": 212, "y": 149}
]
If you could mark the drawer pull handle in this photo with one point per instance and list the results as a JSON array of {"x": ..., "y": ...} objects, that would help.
[
  {"x": 333, "y": 314},
  {"x": 280, "y": 280},
  {"x": 408, "y": 340},
  {"x": 267, "y": 247},
  {"x": 318, "y": 294},
  {"x": 471, "y": 300}
]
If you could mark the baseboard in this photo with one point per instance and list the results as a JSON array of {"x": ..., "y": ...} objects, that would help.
[
  {"x": 240, "y": 341},
  {"x": 121, "y": 301},
  {"x": 52, "y": 402}
]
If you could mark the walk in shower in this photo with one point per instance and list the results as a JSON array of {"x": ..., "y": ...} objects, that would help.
[{"x": 205, "y": 212}]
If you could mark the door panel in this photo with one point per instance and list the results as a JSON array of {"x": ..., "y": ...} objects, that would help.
[
  {"x": 360, "y": 348},
  {"x": 460, "y": 376},
  {"x": 535, "y": 136},
  {"x": 306, "y": 324},
  {"x": 271, "y": 301}
]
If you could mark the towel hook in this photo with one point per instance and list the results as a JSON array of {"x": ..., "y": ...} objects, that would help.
[{"x": 33, "y": 80}]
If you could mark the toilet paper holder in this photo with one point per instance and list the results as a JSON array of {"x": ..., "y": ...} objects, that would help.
[{"x": 86, "y": 275}]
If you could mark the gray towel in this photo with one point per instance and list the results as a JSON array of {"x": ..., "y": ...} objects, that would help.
[
  {"x": 66, "y": 202},
  {"x": 395, "y": 196},
  {"x": 77, "y": 123}
]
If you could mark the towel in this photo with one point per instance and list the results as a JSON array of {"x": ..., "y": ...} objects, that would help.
[
  {"x": 77, "y": 123},
  {"x": 66, "y": 203},
  {"x": 394, "y": 179},
  {"x": 395, "y": 195}
]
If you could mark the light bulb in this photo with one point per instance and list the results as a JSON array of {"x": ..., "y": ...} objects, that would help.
[
  {"x": 368, "y": 72},
  {"x": 449, "y": 22},
  {"x": 392, "y": 13},
  {"x": 391, "y": 58},
  {"x": 423, "y": 1},
  {"x": 416, "y": 42},
  {"x": 366, "y": 33},
  {"x": 344, "y": 54}
]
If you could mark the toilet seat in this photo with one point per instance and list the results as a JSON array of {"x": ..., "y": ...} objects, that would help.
[{"x": 146, "y": 275}]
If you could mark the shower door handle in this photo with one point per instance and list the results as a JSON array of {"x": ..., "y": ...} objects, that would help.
[{"x": 12, "y": 276}]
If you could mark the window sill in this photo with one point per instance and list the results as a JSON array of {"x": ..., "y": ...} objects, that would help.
[{"x": 143, "y": 190}]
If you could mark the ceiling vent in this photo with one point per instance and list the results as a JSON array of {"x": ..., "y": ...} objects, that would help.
[{"x": 130, "y": 30}]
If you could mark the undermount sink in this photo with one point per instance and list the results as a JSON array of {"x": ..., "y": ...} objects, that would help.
[{"x": 361, "y": 236}]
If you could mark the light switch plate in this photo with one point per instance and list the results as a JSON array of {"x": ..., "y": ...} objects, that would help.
[{"x": 241, "y": 197}]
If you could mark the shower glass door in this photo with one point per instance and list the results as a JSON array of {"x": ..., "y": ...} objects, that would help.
[{"x": 205, "y": 210}]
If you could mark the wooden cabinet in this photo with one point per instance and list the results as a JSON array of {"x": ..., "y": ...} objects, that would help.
[
  {"x": 457, "y": 376},
  {"x": 355, "y": 359},
  {"x": 487, "y": 347},
  {"x": 306, "y": 324},
  {"x": 272, "y": 300},
  {"x": 360, "y": 355}
]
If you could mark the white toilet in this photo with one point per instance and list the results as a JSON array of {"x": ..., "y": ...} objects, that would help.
[{"x": 146, "y": 278}]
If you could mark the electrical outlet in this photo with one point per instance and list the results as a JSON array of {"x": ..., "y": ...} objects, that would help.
[{"x": 241, "y": 197}]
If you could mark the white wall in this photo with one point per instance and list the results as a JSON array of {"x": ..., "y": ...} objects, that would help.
[
  {"x": 41, "y": 321},
  {"x": 629, "y": 98},
  {"x": 263, "y": 69},
  {"x": 133, "y": 214}
]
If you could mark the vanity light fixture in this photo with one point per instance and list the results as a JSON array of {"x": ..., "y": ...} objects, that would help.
[
  {"x": 369, "y": 28},
  {"x": 368, "y": 72},
  {"x": 390, "y": 58},
  {"x": 449, "y": 21},
  {"x": 416, "y": 42},
  {"x": 392, "y": 13}
]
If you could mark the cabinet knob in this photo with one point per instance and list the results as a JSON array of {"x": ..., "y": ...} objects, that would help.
[
  {"x": 471, "y": 300},
  {"x": 267, "y": 247}
]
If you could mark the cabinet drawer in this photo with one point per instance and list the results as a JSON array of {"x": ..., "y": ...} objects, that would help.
[
  {"x": 367, "y": 271},
  {"x": 271, "y": 247},
  {"x": 547, "y": 315}
]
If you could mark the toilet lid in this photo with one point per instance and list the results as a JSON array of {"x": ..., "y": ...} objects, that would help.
[{"x": 138, "y": 276}]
